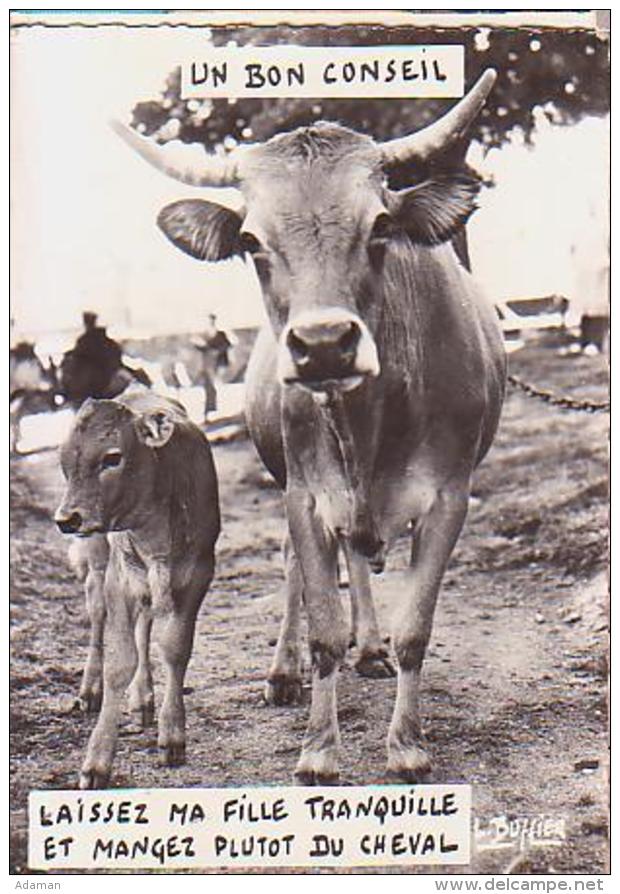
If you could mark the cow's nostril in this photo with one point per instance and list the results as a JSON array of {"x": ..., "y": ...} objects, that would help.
[
  {"x": 298, "y": 348},
  {"x": 70, "y": 524},
  {"x": 349, "y": 341}
]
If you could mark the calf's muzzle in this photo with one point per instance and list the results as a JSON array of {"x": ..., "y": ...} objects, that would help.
[{"x": 325, "y": 348}]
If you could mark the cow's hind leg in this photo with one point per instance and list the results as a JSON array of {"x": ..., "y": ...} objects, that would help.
[
  {"x": 141, "y": 694},
  {"x": 283, "y": 685},
  {"x": 373, "y": 660},
  {"x": 120, "y": 662},
  {"x": 434, "y": 541}
]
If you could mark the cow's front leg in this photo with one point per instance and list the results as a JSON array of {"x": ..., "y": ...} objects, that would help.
[
  {"x": 373, "y": 660},
  {"x": 434, "y": 541},
  {"x": 283, "y": 685},
  {"x": 317, "y": 552},
  {"x": 120, "y": 662},
  {"x": 141, "y": 694},
  {"x": 91, "y": 688}
]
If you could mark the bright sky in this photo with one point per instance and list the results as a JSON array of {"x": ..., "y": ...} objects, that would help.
[
  {"x": 84, "y": 207},
  {"x": 544, "y": 228}
]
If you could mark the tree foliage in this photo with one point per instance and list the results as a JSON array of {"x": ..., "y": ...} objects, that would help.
[{"x": 564, "y": 72}]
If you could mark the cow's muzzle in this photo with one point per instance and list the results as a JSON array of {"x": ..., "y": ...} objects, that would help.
[
  {"x": 327, "y": 348},
  {"x": 68, "y": 523},
  {"x": 71, "y": 521}
]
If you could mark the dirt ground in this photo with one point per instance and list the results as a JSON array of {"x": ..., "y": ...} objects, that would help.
[{"x": 515, "y": 682}]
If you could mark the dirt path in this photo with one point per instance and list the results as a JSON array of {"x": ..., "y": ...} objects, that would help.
[{"x": 515, "y": 681}]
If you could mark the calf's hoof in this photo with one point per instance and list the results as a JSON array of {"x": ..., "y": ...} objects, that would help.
[
  {"x": 375, "y": 665},
  {"x": 281, "y": 689},
  {"x": 317, "y": 768},
  {"x": 408, "y": 764}
]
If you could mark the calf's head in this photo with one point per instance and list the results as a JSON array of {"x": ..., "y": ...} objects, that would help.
[
  {"x": 318, "y": 220},
  {"x": 109, "y": 462}
]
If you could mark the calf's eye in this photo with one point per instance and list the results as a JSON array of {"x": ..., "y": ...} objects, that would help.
[{"x": 112, "y": 459}]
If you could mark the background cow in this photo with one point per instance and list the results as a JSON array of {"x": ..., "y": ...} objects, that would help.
[
  {"x": 141, "y": 488},
  {"x": 32, "y": 387},
  {"x": 95, "y": 367},
  {"x": 375, "y": 390}
]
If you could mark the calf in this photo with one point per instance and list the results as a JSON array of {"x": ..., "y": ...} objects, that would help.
[{"x": 142, "y": 492}]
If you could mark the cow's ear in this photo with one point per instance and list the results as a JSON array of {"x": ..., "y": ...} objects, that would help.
[
  {"x": 155, "y": 429},
  {"x": 433, "y": 211},
  {"x": 204, "y": 230}
]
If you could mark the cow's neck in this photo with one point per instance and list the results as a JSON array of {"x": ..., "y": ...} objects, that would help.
[{"x": 363, "y": 534}]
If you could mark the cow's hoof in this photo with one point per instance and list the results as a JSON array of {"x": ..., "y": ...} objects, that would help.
[
  {"x": 173, "y": 754},
  {"x": 410, "y": 764},
  {"x": 90, "y": 701},
  {"x": 145, "y": 715},
  {"x": 311, "y": 778},
  {"x": 283, "y": 690},
  {"x": 142, "y": 718},
  {"x": 375, "y": 665},
  {"x": 93, "y": 779},
  {"x": 317, "y": 768}
]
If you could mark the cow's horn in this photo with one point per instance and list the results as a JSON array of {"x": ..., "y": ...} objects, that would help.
[
  {"x": 425, "y": 143},
  {"x": 184, "y": 162}
]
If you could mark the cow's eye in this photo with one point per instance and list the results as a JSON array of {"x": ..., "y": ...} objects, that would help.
[
  {"x": 384, "y": 229},
  {"x": 250, "y": 244},
  {"x": 112, "y": 459}
]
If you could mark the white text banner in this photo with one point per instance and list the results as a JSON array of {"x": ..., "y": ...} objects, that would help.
[{"x": 325, "y": 72}]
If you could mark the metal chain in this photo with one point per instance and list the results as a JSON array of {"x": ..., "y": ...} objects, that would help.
[{"x": 565, "y": 403}]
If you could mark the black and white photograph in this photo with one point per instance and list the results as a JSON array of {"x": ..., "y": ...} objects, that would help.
[{"x": 309, "y": 427}]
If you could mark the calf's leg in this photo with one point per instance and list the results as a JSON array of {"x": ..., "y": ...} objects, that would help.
[
  {"x": 91, "y": 689},
  {"x": 434, "y": 541},
  {"x": 176, "y": 641},
  {"x": 90, "y": 558},
  {"x": 120, "y": 662},
  {"x": 141, "y": 695}
]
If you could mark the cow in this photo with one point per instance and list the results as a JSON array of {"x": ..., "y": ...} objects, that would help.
[
  {"x": 81, "y": 378},
  {"x": 376, "y": 387},
  {"x": 32, "y": 388},
  {"x": 142, "y": 497}
]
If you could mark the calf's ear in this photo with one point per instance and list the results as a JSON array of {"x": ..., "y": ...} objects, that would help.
[
  {"x": 154, "y": 429},
  {"x": 432, "y": 211},
  {"x": 205, "y": 230}
]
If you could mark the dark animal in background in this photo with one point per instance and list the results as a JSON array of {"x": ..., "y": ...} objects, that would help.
[
  {"x": 142, "y": 497},
  {"x": 375, "y": 390},
  {"x": 32, "y": 388},
  {"x": 594, "y": 330},
  {"x": 94, "y": 366}
]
